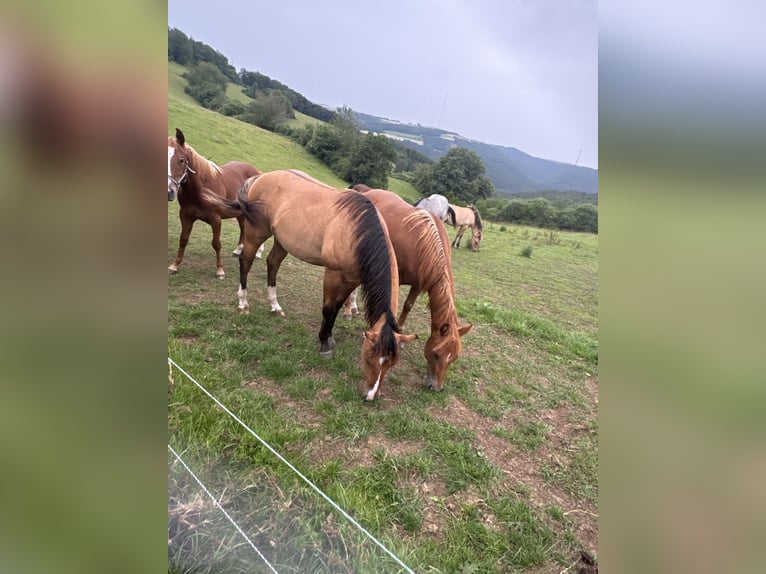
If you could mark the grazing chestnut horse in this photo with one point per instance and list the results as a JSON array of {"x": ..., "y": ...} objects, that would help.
[
  {"x": 188, "y": 174},
  {"x": 467, "y": 217},
  {"x": 419, "y": 239},
  {"x": 339, "y": 230},
  {"x": 438, "y": 205}
]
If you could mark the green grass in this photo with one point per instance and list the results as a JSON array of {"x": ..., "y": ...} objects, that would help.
[{"x": 435, "y": 475}]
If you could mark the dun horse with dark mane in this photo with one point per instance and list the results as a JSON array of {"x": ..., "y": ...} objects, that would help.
[
  {"x": 467, "y": 217},
  {"x": 338, "y": 230},
  {"x": 188, "y": 175},
  {"x": 419, "y": 240}
]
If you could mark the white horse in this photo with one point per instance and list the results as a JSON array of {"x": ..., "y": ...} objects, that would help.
[{"x": 439, "y": 206}]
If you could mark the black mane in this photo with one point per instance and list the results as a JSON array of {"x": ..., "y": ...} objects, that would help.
[{"x": 374, "y": 266}]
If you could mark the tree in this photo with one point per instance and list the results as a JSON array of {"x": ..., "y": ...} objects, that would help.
[
  {"x": 207, "y": 85},
  {"x": 206, "y": 72},
  {"x": 458, "y": 175},
  {"x": 347, "y": 123},
  {"x": 325, "y": 144},
  {"x": 269, "y": 109},
  {"x": 371, "y": 161},
  {"x": 179, "y": 47}
]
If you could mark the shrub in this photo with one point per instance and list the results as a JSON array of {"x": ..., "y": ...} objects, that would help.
[{"x": 526, "y": 251}]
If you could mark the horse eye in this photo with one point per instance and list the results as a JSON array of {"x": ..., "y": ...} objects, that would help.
[{"x": 436, "y": 355}]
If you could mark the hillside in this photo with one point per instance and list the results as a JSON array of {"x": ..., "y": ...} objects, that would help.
[
  {"x": 511, "y": 170},
  {"x": 216, "y": 136}
]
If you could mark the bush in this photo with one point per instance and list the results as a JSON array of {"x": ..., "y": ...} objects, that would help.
[
  {"x": 526, "y": 251},
  {"x": 232, "y": 108}
]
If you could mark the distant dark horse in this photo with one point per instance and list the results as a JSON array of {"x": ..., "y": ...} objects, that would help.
[
  {"x": 188, "y": 174},
  {"x": 438, "y": 205},
  {"x": 338, "y": 230},
  {"x": 467, "y": 217}
]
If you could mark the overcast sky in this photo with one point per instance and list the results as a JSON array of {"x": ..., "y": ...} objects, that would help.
[{"x": 519, "y": 73}]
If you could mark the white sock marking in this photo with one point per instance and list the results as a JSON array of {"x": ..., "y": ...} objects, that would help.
[
  {"x": 273, "y": 299},
  {"x": 242, "y": 294}
]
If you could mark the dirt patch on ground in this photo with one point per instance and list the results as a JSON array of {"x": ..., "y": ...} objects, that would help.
[{"x": 524, "y": 468}]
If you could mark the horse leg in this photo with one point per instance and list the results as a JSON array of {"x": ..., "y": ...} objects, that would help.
[
  {"x": 187, "y": 223},
  {"x": 335, "y": 292},
  {"x": 241, "y": 243},
  {"x": 351, "y": 308},
  {"x": 259, "y": 253},
  {"x": 245, "y": 263},
  {"x": 409, "y": 303},
  {"x": 215, "y": 223},
  {"x": 273, "y": 262},
  {"x": 458, "y": 236}
]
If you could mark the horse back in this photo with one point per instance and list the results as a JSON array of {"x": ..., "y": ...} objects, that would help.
[{"x": 234, "y": 175}]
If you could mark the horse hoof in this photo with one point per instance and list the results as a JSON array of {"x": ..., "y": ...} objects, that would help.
[
  {"x": 278, "y": 312},
  {"x": 348, "y": 317},
  {"x": 244, "y": 310},
  {"x": 220, "y": 275},
  {"x": 258, "y": 256},
  {"x": 172, "y": 271},
  {"x": 326, "y": 354}
]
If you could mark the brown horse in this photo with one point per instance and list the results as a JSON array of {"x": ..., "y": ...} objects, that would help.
[
  {"x": 467, "y": 217},
  {"x": 188, "y": 174},
  {"x": 339, "y": 230},
  {"x": 419, "y": 239}
]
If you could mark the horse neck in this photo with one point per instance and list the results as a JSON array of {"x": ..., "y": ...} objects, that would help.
[
  {"x": 441, "y": 301},
  {"x": 196, "y": 181}
]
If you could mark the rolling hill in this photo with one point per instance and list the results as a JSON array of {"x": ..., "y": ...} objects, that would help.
[{"x": 510, "y": 169}]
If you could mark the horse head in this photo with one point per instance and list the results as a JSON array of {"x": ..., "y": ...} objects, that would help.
[
  {"x": 442, "y": 349},
  {"x": 475, "y": 238},
  {"x": 380, "y": 353},
  {"x": 178, "y": 163}
]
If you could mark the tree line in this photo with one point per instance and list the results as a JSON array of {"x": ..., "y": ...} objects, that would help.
[
  {"x": 210, "y": 72},
  {"x": 539, "y": 212}
]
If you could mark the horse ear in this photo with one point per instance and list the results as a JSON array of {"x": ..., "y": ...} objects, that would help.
[
  {"x": 404, "y": 338},
  {"x": 180, "y": 137},
  {"x": 464, "y": 329}
]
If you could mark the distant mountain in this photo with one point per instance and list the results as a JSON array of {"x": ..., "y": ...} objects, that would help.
[{"x": 511, "y": 170}]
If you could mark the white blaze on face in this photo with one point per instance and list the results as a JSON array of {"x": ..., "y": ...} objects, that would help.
[
  {"x": 374, "y": 390},
  {"x": 448, "y": 356},
  {"x": 171, "y": 152}
]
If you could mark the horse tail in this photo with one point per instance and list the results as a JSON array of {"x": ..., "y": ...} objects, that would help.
[
  {"x": 245, "y": 207},
  {"x": 226, "y": 207},
  {"x": 477, "y": 218},
  {"x": 451, "y": 216}
]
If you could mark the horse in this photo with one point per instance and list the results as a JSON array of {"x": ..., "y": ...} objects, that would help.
[
  {"x": 467, "y": 217},
  {"x": 188, "y": 174},
  {"x": 438, "y": 205},
  {"x": 338, "y": 230},
  {"x": 419, "y": 239}
]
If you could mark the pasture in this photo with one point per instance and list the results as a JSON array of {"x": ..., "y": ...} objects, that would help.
[{"x": 496, "y": 473}]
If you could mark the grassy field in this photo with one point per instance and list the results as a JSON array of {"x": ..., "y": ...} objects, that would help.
[{"x": 497, "y": 473}]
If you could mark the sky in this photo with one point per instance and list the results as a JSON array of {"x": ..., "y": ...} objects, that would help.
[{"x": 517, "y": 73}]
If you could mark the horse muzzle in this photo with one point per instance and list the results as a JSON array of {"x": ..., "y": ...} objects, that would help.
[
  {"x": 432, "y": 382},
  {"x": 171, "y": 195}
]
